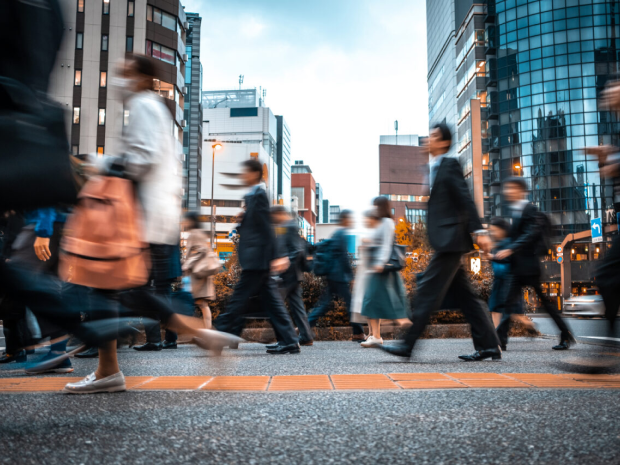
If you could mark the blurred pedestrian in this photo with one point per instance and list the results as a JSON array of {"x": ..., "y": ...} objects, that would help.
[
  {"x": 524, "y": 251},
  {"x": 385, "y": 297},
  {"x": 452, "y": 219},
  {"x": 259, "y": 257},
  {"x": 498, "y": 229},
  {"x": 339, "y": 277},
  {"x": 198, "y": 252},
  {"x": 292, "y": 245}
]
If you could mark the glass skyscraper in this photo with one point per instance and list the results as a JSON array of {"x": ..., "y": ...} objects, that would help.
[{"x": 547, "y": 62}]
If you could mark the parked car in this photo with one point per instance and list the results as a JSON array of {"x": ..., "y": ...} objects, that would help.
[{"x": 584, "y": 305}]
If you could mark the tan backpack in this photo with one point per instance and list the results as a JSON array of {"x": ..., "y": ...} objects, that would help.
[{"x": 102, "y": 245}]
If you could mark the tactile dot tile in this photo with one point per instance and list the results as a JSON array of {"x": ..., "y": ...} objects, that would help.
[
  {"x": 476, "y": 376},
  {"x": 300, "y": 383},
  {"x": 237, "y": 383},
  {"x": 549, "y": 381},
  {"x": 174, "y": 383},
  {"x": 31, "y": 384},
  {"x": 431, "y": 384},
  {"x": 494, "y": 383},
  {"x": 362, "y": 382},
  {"x": 416, "y": 376}
]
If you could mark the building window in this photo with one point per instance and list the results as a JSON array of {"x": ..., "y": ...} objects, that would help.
[
  {"x": 160, "y": 52},
  {"x": 78, "y": 77},
  {"x": 106, "y": 7},
  {"x": 76, "y": 115},
  {"x": 80, "y": 6},
  {"x": 415, "y": 215},
  {"x": 79, "y": 41},
  {"x": 299, "y": 193},
  {"x": 100, "y": 150},
  {"x": 101, "y": 116},
  {"x": 129, "y": 45},
  {"x": 164, "y": 89},
  {"x": 161, "y": 17},
  {"x": 104, "y": 43},
  {"x": 130, "y": 8},
  {"x": 75, "y": 149},
  {"x": 103, "y": 79}
]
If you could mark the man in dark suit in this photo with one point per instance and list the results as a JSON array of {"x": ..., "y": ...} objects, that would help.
[
  {"x": 292, "y": 246},
  {"x": 258, "y": 257},
  {"x": 452, "y": 219},
  {"x": 526, "y": 235},
  {"x": 339, "y": 277}
]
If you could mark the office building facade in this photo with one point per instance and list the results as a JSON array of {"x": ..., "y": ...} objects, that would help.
[
  {"x": 325, "y": 211},
  {"x": 283, "y": 159},
  {"x": 192, "y": 132},
  {"x": 334, "y": 213}
]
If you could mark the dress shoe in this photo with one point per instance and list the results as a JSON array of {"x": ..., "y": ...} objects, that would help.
[
  {"x": 149, "y": 346},
  {"x": 358, "y": 338},
  {"x": 273, "y": 346},
  {"x": 19, "y": 357},
  {"x": 400, "y": 349},
  {"x": 308, "y": 342},
  {"x": 169, "y": 345},
  {"x": 479, "y": 355},
  {"x": 565, "y": 343},
  {"x": 503, "y": 347},
  {"x": 289, "y": 349},
  {"x": 92, "y": 385},
  {"x": 93, "y": 352},
  {"x": 215, "y": 341}
]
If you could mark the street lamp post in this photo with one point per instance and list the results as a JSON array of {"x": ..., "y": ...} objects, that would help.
[{"x": 214, "y": 147}]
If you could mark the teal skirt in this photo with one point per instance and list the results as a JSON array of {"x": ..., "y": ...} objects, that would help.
[{"x": 385, "y": 297}]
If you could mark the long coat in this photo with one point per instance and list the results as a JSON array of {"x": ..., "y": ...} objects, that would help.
[{"x": 198, "y": 244}]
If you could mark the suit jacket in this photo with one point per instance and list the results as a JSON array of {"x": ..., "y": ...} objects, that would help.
[
  {"x": 341, "y": 271},
  {"x": 452, "y": 214},
  {"x": 290, "y": 245},
  {"x": 257, "y": 239},
  {"x": 525, "y": 236}
]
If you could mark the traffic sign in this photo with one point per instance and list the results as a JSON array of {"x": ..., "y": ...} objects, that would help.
[
  {"x": 596, "y": 226},
  {"x": 559, "y": 249},
  {"x": 560, "y": 259}
]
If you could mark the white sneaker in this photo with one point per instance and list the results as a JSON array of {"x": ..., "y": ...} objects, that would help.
[
  {"x": 92, "y": 385},
  {"x": 372, "y": 341}
]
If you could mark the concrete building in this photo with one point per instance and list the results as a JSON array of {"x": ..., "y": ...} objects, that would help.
[
  {"x": 334, "y": 213},
  {"x": 283, "y": 159},
  {"x": 441, "y": 77},
  {"x": 98, "y": 35},
  {"x": 304, "y": 190},
  {"x": 403, "y": 178},
  {"x": 192, "y": 132}
]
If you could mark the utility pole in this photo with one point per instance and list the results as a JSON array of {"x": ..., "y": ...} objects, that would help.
[
  {"x": 241, "y": 76},
  {"x": 396, "y": 128}
]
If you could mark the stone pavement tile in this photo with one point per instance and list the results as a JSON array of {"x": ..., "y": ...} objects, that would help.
[
  {"x": 417, "y": 376},
  {"x": 32, "y": 384},
  {"x": 174, "y": 383},
  {"x": 543, "y": 380},
  {"x": 237, "y": 383},
  {"x": 301, "y": 383},
  {"x": 375, "y": 382},
  {"x": 431, "y": 384}
]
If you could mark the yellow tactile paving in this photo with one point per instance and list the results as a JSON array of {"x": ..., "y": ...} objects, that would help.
[
  {"x": 174, "y": 383},
  {"x": 371, "y": 382},
  {"x": 391, "y": 381},
  {"x": 237, "y": 383},
  {"x": 301, "y": 383}
]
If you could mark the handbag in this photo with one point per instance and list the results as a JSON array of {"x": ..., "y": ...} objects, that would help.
[
  {"x": 206, "y": 264},
  {"x": 397, "y": 258}
]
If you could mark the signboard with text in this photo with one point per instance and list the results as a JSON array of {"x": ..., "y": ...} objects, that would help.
[{"x": 596, "y": 225}]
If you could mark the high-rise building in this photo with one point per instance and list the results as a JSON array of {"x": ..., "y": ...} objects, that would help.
[
  {"x": 98, "y": 36},
  {"x": 283, "y": 159},
  {"x": 192, "y": 132},
  {"x": 325, "y": 211},
  {"x": 319, "y": 203},
  {"x": 441, "y": 75},
  {"x": 403, "y": 171}
]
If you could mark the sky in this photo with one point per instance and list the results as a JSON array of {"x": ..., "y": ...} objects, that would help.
[{"x": 339, "y": 71}]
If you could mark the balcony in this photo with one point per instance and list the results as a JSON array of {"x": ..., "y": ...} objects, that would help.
[
  {"x": 490, "y": 40},
  {"x": 489, "y": 10}
]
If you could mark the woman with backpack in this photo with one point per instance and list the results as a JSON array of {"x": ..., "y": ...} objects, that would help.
[{"x": 385, "y": 297}]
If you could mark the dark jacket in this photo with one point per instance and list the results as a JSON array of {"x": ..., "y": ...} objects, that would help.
[
  {"x": 290, "y": 244},
  {"x": 341, "y": 271},
  {"x": 501, "y": 273},
  {"x": 257, "y": 240},
  {"x": 525, "y": 236},
  {"x": 452, "y": 214}
]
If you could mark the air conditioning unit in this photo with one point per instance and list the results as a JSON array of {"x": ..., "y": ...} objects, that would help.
[
  {"x": 183, "y": 123},
  {"x": 186, "y": 25},
  {"x": 185, "y": 58},
  {"x": 184, "y": 89}
]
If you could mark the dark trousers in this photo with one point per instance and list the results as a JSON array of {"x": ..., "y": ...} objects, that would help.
[
  {"x": 293, "y": 295},
  {"x": 515, "y": 285},
  {"x": 251, "y": 284},
  {"x": 608, "y": 281},
  {"x": 444, "y": 275},
  {"x": 336, "y": 289},
  {"x": 160, "y": 283}
]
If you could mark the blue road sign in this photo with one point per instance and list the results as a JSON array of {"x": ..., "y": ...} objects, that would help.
[
  {"x": 560, "y": 259},
  {"x": 597, "y": 230}
]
